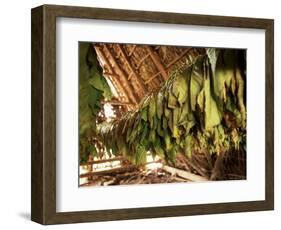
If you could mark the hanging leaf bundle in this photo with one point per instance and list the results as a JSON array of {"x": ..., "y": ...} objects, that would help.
[
  {"x": 200, "y": 108},
  {"x": 92, "y": 88}
]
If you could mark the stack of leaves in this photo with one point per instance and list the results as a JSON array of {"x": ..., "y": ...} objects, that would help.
[
  {"x": 92, "y": 88},
  {"x": 200, "y": 108}
]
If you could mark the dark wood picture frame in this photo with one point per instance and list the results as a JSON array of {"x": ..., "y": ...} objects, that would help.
[{"x": 43, "y": 188}]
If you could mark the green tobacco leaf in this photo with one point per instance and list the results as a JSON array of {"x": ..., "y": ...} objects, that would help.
[
  {"x": 159, "y": 129},
  {"x": 213, "y": 56},
  {"x": 152, "y": 111},
  {"x": 140, "y": 155},
  {"x": 180, "y": 89},
  {"x": 185, "y": 114},
  {"x": 158, "y": 147},
  {"x": 212, "y": 113},
  {"x": 172, "y": 101},
  {"x": 159, "y": 108},
  {"x": 92, "y": 149},
  {"x": 168, "y": 143},
  {"x": 175, "y": 132},
  {"x": 164, "y": 123},
  {"x": 196, "y": 82},
  {"x": 167, "y": 112},
  {"x": 144, "y": 133},
  {"x": 96, "y": 82},
  {"x": 152, "y": 136},
  {"x": 155, "y": 122},
  {"x": 171, "y": 154},
  {"x": 176, "y": 115},
  {"x": 143, "y": 113},
  {"x": 100, "y": 83},
  {"x": 92, "y": 87},
  {"x": 188, "y": 145},
  {"x": 93, "y": 98},
  {"x": 188, "y": 125}
]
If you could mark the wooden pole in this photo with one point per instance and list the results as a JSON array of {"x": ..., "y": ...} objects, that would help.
[
  {"x": 151, "y": 78},
  {"x": 130, "y": 89},
  {"x": 92, "y": 162},
  {"x": 155, "y": 58},
  {"x": 132, "y": 50},
  {"x": 184, "y": 174},
  {"x": 138, "y": 78},
  {"x": 177, "y": 58},
  {"x": 112, "y": 74},
  {"x": 142, "y": 60},
  {"x": 121, "y": 169},
  {"x": 116, "y": 102}
]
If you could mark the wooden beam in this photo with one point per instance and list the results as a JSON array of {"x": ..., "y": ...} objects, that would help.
[
  {"x": 151, "y": 78},
  {"x": 142, "y": 60},
  {"x": 155, "y": 58},
  {"x": 116, "y": 103},
  {"x": 130, "y": 76},
  {"x": 112, "y": 74},
  {"x": 116, "y": 170},
  {"x": 184, "y": 174},
  {"x": 177, "y": 58},
  {"x": 168, "y": 66},
  {"x": 130, "y": 90},
  {"x": 138, "y": 78},
  {"x": 132, "y": 50},
  {"x": 103, "y": 161}
]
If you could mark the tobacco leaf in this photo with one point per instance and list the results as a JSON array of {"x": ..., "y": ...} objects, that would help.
[
  {"x": 151, "y": 111},
  {"x": 92, "y": 87},
  {"x": 159, "y": 108}
]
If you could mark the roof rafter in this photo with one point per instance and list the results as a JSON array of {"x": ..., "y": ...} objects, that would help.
[
  {"x": 155, "y": 58},
  {"x": 130, "y": 90},
  {"x": 138, "y": 78},
  {"x": 112, "y": 74}
]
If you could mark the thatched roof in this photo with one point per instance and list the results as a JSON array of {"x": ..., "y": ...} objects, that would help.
[{"x": 136, "y": 70}]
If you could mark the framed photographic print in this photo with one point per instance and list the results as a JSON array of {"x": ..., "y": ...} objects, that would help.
[{"x": 139, "y": 114}]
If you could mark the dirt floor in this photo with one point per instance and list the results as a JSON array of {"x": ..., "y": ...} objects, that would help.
[{"x": 135, "y": 176}]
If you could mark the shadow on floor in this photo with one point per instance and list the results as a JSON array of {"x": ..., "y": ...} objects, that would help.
[{"x": 24, "y": 215}]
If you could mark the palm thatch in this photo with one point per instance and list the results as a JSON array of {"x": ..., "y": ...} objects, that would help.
[{"x": 137, "y": 70}]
